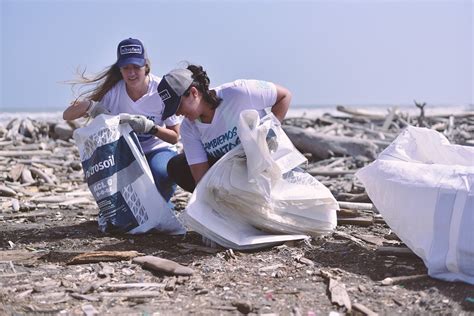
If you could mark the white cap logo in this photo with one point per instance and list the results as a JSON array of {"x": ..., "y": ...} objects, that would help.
[
  {"x": 130, "y": 49},
  {"x": 164, "y": 95}
]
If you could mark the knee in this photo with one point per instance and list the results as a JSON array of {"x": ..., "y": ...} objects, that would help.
[{"x": 175, "y": 164}]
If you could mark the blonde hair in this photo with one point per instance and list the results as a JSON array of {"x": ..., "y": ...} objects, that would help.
[{"x": 101, "y": 83}]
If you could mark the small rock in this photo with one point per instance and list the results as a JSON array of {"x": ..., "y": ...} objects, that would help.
[{"x": 244, "y": 307}]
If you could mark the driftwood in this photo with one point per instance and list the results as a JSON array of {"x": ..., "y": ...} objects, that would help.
[
  {"x": 339, "y": 294},
  {"x": 356, "y": 206},
  {"x": 39, "y": 173},
  {"x": 330, "y": 173},
  {"x": 12, "y": 153},
  {"x": 163, "y": 265},
  {"x": 6, "y": 191},
  {"x": 101, "y": 256},
  {"x": 395, "y": 251},
  {"x": 363, "y": 309},
  {"x": 401, "y": 279},
  {"x": 324, "y": 146},
  {"x": 358, "y": 112}
]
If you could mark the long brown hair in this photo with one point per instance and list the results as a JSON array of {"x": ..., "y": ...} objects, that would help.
[{"x": 102, "y": 82}]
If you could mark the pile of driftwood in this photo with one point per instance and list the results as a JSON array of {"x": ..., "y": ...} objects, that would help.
[
  {"x": 40, "y": 166},
  {"x": 39, "y": 169},
  {"x": 337, "y": 146}
]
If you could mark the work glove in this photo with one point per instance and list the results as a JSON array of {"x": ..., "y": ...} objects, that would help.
[
  {"x": 97, "y": 109},
  {"x": 139, "y": 123}
]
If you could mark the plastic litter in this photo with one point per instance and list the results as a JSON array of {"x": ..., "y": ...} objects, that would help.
[
  {"x": 120, "y": 179},
  {"x": 255, "y": 195},
  {"x": 424, "y": 188}
]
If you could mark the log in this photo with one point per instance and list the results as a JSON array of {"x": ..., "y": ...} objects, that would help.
[
  {"x": 389, "y": 119},
  {"x": 134, "y": 285},
  {"x": 356, "y": 206},
  {"x": 357, "y": 112},
  {"x": 381, "y": 134},
  {"x": 329, "y": 173},
  {"x": 363, "y": 309},
  {"x": 13, "y": 153},
  {"x": 395, "y": 251},
  {"x": 357, "y": 221},
  {"x": 40, "y": 174},
  {"x": 323, "y": 146},
  {"x": 404, "y": 278},
  {"x": 132, "y": 294},
  {"x": 6, "y": 191}
]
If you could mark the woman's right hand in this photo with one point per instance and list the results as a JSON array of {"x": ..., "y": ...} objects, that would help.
[
  {"x": 97, "y": 108},
  {"x": 81, "y": 108},
  {"x": 76, "y": 109}
]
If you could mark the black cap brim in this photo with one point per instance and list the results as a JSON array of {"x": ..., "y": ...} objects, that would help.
[{"x": 169, "y": 98}]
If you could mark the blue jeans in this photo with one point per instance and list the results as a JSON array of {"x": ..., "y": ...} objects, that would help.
[{"x": 158, "y": 161}]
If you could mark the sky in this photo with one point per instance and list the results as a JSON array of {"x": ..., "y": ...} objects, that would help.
[{"x": 326, "y": 52}]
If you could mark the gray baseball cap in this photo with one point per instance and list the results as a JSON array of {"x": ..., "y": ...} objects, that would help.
[{"x": 172, "y": 87}]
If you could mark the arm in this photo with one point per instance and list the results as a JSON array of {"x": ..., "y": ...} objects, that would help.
[
  {"x": 199, "y": 170},
  {"x": 76, "y": 110},
  {"x": 280, "y": 108},
  {"x": 169, "y": 134}
]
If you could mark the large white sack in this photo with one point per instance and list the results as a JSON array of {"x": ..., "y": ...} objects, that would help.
[
  {"x": 424, "y": 188},
  {"x": 120, "y": 179},
  {"x": 258, "y": 186}
]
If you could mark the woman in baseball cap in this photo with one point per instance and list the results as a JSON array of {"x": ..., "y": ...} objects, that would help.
[
  {"x": 209, "y": 129},
  {"x": 128, "y": 86}
]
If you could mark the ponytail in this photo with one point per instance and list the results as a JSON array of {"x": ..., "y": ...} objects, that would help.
[{"x": 201, "y": 83}]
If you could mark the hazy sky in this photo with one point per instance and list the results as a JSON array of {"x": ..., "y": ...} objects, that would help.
[{"x": 325, "y": 52}]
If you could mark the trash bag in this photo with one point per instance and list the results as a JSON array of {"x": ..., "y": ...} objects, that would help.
[
  {"x": 424, "y": 188},
  {"x": 257, "y": 184},
  {"x": 119, "y": 178}
]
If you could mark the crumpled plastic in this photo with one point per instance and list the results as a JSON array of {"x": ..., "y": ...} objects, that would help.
[{"x": 253, "y": 185}]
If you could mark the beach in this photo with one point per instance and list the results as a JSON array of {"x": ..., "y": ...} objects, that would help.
[{"x": 49, "y": 217}]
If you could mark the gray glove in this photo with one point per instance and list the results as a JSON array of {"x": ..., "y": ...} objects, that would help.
[
  {"x": 97, "y": 109},
  {"x": 139, "y": 123}
]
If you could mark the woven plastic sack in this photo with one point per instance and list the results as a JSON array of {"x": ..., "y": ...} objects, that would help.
[
  {"x": 424, "y": 188},
  {"x": 120, "y": 179}
]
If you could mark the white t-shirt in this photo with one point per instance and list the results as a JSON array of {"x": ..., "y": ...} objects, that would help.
[
  {"x": 117, "y": 101},
  {"x": 220, "y": 136}
]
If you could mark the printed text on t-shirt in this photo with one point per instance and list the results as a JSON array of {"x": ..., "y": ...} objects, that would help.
[{"x": 222, "y": 143}]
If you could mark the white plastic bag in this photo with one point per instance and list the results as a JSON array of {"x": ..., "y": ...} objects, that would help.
[
  {"x": 120, "y": 179},
  {"x": 424, "y": 188},
  {"x": 258, "y": 186}
]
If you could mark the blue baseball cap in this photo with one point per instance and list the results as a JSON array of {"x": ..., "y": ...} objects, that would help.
[
  {"x": 172, "y": 87},
  {"x": 130, "y": 51}
]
